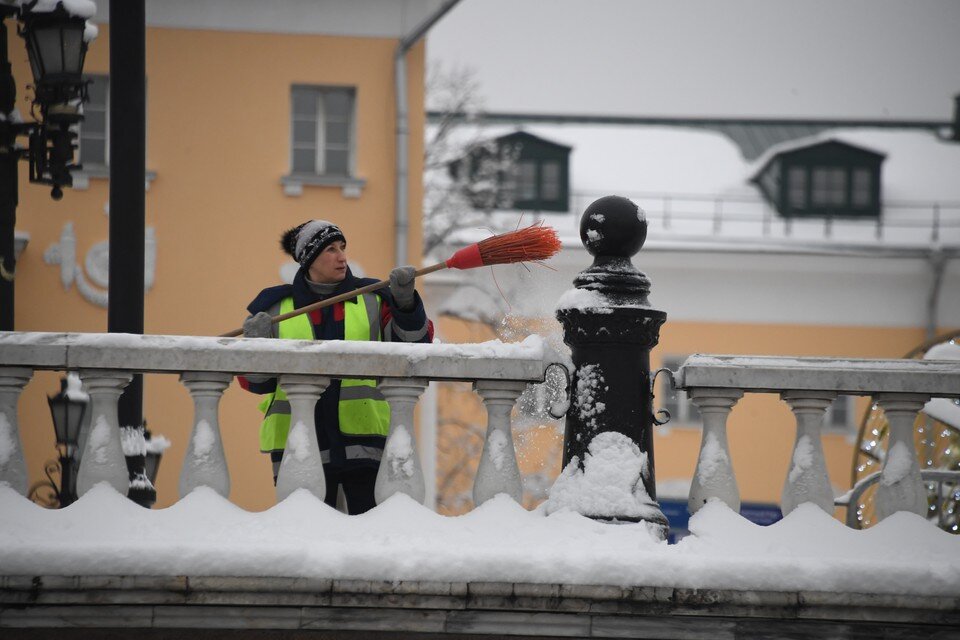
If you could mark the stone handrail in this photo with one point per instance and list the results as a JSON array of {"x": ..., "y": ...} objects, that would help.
[
  {"x": 900, "y": 387},
  {"x": 206, "y": 365}
]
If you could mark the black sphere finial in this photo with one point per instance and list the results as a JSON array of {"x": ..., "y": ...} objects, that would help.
[
  {"x": 613, "y": 226},
  {"x": 56, "y": 192}
]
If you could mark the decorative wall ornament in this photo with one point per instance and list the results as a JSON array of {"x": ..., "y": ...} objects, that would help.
[{"x": 93, "y": 278}]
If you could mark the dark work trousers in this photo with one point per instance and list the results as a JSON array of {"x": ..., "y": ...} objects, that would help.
[{"x": 357, "y": 485}]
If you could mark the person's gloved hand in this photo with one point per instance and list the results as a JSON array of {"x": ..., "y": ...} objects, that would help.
[
  {"x": 258, "y": 326},
  {"x": 401, "y": 287}
]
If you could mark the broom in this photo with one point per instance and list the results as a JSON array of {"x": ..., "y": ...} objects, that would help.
[{"x": 530, "y": 244}]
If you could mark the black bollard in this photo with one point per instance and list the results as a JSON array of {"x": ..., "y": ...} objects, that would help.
[{"x": 611, "y": 328}]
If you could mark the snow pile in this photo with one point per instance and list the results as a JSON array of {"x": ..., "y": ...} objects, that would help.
[
  {"x": 610, "y": 483},
  {"x": 103, "y": 533},
  {"x": 713, "y": 467},
  {"x": 582, "y": 299},
  {"x": 132, "y": 441},
  {"x": 157, "y": 444},
  {"x": 399, "y": 452},
  {"x": 78, "y": 8},
  {"x": 590, "y": 387},
  {"x": 204, "y": 440}
]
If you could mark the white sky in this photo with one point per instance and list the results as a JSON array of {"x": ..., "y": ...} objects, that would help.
[{"x": 815, "y": 58}]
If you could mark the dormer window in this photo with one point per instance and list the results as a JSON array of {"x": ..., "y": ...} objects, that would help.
[
  {"x": 536, "y": 178},
  {"x": 821, "y": 180}
]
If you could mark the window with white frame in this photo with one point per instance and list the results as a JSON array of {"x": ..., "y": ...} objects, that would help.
[
  {"x": 322, "y": 130},
  {"x": 94, "y": 149},
  {"x": 683, "y": 412}
]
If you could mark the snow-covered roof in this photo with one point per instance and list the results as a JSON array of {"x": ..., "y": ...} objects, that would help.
[
  {"x": 919, "y": 166},
  {"x": 637, "y": 158}
]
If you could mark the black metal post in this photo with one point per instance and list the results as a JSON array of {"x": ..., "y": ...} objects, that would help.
[
  {"x": 8, "y": 178},
  {"x": 68, "y": 480},
  {"x": 127, "y": 175},
  {"x": 611, "y": 337}
]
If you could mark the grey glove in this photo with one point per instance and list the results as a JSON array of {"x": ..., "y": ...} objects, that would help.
[
  {"x": 401, "y": 287},
  {"x": 258, "y": 326}
]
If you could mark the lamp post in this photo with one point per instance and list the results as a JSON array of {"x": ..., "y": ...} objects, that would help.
[
  {"x": 57, "y": 46},
  {"x": 68, "y": 410}
]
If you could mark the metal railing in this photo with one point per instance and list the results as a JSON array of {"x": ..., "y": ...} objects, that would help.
[{"x": 751, "y": 216}]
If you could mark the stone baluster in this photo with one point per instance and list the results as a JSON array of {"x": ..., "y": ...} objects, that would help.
[
  {"x": 400, "y": 470},
  {"x": 205, "y": 464},
  {"x": 13, "y": 467},
  {"x": 302, "y": 467},
  {"x": 102, "y": 459},
  {"x": 900, "y": 487},
  {"x": 714, "y": 477},
  {"x": 498, "y": 471},
  {"x": 808, "y": 480}
]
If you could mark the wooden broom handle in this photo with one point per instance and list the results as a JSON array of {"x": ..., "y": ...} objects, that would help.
[{"x": 340, "y": 298}]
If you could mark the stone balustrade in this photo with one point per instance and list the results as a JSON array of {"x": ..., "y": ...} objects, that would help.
[
  {"x": 205, "y": 366},
  {"x": 808, "y": 385}
]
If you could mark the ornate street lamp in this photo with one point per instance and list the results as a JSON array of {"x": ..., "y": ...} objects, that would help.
[
  {"x": 68, "y": 410},
  {"x": 57, "y": 46}
]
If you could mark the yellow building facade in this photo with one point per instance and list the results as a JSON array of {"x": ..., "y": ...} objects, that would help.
[{"x": 219, "y": 145}]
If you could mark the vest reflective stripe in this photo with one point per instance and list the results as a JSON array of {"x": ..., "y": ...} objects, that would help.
[{"x": 362, "y": 410}]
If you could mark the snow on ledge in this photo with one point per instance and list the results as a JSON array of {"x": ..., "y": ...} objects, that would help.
[{"x": 103, "y": 533}]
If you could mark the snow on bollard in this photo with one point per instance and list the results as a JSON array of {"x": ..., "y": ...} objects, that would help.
[
  {"x": 103, "y": 459},
  {"x": 610, "y": 484},
  {"x": 611, "y": 328},
  {"x": 13, "y": 466},
  {"x": 901, "y": 488},
  {"x": 498, "y": 471},
  {"x": 205, "y": 463},
  {"x": 808, "y": 480},
  {"x": 714, "y": 477},
  {"x": 400, "y": 470},
  {"x": 302, "y": 467}
]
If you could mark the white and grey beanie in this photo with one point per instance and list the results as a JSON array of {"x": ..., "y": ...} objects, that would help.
[{"x": 305, "y": 242}]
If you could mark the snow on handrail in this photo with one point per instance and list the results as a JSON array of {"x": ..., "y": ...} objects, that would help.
[{"x": 524, "y": 361}]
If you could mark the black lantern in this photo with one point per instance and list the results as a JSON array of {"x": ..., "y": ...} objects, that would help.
[
  {"x": 67, "y": 415},
  {"x": 57, "y": 49},
  {"x": 68, "y": 412}
]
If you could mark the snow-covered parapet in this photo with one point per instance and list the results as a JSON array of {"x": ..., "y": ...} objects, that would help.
[
  {"x": 207, "y": 365},
  {"x": 902, "y": 388}
]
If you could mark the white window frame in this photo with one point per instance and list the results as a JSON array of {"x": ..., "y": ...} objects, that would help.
[
  {"x": 320, "y": 120},
  {"x": 351, "y": 186}
]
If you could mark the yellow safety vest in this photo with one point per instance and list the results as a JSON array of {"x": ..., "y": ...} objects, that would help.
[{"x": 362, "y": 410}]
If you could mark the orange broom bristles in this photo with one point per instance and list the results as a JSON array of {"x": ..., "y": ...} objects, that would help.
[{"x": 530, "y": 244}]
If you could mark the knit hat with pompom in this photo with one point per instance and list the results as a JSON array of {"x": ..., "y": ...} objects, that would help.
[{"x": 305, "y": 242}]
